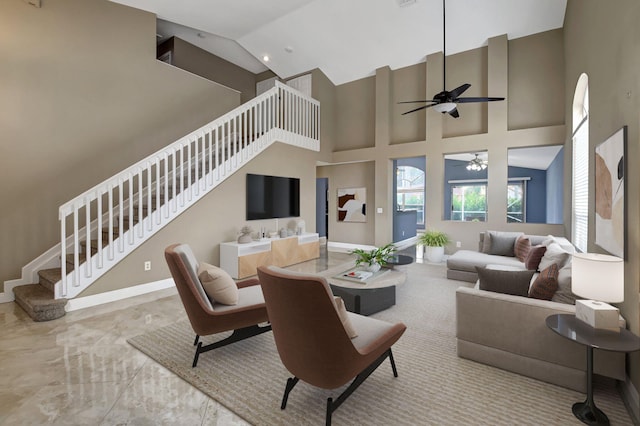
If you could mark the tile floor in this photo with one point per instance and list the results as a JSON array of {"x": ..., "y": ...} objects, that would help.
[{"x": 80, "y": 370}]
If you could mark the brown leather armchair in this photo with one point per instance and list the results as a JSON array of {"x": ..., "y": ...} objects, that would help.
[
  {"x": 205, "y": 318},
  {"x": 311, "y": 339}
]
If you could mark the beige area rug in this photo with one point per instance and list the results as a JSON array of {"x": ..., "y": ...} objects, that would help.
[{"x": 434, "y": 386}]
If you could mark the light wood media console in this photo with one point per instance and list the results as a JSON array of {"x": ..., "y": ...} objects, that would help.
[{"x": 242, "y": 260}]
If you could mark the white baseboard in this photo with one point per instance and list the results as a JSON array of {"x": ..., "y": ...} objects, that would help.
[
  {"x": 631, "y": 397},
  {"x": 346, "y": 247},
  {"x": 115, "y": 295}
]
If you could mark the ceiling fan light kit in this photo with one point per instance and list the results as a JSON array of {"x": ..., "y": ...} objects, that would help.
[
  {"x": 446, "y": 101},
  {"x": 445, "y": 107},
  {"x": 476, "y": 164}
]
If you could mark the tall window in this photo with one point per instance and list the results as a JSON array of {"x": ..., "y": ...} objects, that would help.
[
  {"x": 410, "y": 190},
  {"x": 580, "y": 165},
  {"x": 516, "y": 202},
  {"x": 469, "y": 202}
]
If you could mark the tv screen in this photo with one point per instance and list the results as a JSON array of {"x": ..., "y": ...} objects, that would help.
[{"x": 271, "y": 197}]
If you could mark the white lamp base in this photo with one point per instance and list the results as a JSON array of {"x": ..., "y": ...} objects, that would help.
[{"x": 598, "y": 314}]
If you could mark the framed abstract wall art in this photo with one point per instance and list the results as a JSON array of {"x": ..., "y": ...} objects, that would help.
[
  {"x": 352, "y": 203},
  {"x": 610, "y": 172}
]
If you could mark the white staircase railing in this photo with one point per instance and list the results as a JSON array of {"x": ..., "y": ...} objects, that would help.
[{"x": 125, "y": 210}]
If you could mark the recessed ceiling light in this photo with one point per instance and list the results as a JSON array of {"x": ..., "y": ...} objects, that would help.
[
  {"x": 288, "y": 49},
  {"x": 265, "y": 58}
]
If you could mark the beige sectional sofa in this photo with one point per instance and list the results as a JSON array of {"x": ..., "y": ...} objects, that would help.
[{"x": 510, "y": 332}]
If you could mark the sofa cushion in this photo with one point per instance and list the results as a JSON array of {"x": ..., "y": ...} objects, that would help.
[
  {"x": 546, "y": 284},
  {"x": 564, "y": 243},
  {"x": 499, "y": 242},
  {"x": 218, "y": 284},
  {"x": 534, "y": 257},
  {"x": 554, "y": 254},
  {"x": 522, "y": 247},
  {"x": 564, "y": 293},
  {"x": 467, "y": 260},
  {"x": 507, "y": 282}
]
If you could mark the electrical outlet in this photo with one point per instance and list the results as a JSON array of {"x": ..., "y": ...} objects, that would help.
[
  {"x": 458, "y": 244},
  {"x": 147, "y": 265}
]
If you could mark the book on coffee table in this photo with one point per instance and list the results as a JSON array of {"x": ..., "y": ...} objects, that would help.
[{"x": 360, "y": 275}]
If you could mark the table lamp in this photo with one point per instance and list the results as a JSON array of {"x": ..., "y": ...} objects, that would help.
[{"x": 598, "y": 277}]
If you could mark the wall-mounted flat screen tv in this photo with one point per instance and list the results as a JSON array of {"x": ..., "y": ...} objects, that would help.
[{"x": 271, "y": 197}]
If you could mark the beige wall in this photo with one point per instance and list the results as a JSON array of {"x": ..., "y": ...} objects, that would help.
[
  {"x": 82, "y": 98},
  {"x": 408, "y": 84},
  {"x": 603, "y": 41},
  {"x": 480, "y": 128},
  {"x": 323, "y": 90},
  {"x": 535, "y": 100},
  {"x": 357, "y": 175},
  {"x": 468, "y": 67},
  {"x": 200, "y": 62},
  {"x": 217, "y": 218},
  {"x": 355, "y": 118}
]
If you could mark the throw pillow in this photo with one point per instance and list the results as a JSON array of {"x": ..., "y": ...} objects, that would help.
[
  {"x": 501, "y": 243},
  {"x": 554, "y": 254},
  {"x": 564, "y": 293},
  {"x": 545, "y": 286},
  {"x": 507, "y": 282},
  {"x": 218, "y": 284},
  {"x": 344, "y": 317},
  {"x": 533, "y": 258},
  {"x": 522, "y": 247},
  {"x": 486, "y": 243}
]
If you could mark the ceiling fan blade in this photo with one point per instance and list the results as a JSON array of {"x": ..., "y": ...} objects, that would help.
[
  {"x": 418, "y": 109},
  {"x": 470, "y": 100},
  {"x": 415, "y": 102},
  {"x": 454, "y": 113},
  {"x": 459, "y": 90}
]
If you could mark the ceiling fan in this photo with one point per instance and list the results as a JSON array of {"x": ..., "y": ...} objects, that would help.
[
  {"x": 477, "y": 164},
  {"x": 446, "y": 101}
]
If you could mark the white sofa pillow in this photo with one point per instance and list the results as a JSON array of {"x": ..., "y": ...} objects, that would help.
[{"x": 554, "y": 254}]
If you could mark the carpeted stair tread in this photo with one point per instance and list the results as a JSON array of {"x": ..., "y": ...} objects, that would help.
[
  {"x": 38, "y": 302},
  {"x": 49, "y": 277}
]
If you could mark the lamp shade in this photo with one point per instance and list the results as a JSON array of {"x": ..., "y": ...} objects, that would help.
[{"x": 598, "y": 277}]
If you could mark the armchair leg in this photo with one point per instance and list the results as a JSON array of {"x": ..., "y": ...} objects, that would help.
[
  {"x": 238, "y": 334},
  {"x": 197, "y": 340},
  {"x": 327, "y": 422},
  {"x": 291, "y": 382},
  {"x": 359, "y": 379},
  {"x": 393, "y": 364}
]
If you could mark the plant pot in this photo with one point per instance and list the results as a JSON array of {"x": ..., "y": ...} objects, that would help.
[
  {"x": 434, "y": 254},
  {"x": 372, "y": 268}
]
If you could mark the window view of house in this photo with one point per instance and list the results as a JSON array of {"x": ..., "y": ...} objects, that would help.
[
  {"x": 465, "y": 186},
  {"x": 535, "y": 188},
  {"x": 410, "y": 191},
  {"x": 469, "y": 203}
]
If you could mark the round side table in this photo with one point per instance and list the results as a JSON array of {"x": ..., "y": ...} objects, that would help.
[{"x": 569, "y": 327}]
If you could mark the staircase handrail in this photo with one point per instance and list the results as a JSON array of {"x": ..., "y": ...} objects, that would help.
[
  {"x": 279, "y": 114},
  {"x": 196, "y": 133}
]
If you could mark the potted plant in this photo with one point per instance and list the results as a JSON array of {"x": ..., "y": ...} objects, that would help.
[
  {"x": 374, "y": 259},
  {"x": 434, "y": 242}
]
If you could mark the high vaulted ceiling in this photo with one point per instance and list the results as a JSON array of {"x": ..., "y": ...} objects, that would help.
[{"x": 346, "y": 39}]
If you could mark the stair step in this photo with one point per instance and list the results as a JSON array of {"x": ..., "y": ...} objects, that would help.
[
  {"x": 49, "y": 277},
  {"x": 39, "y": 303}
]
